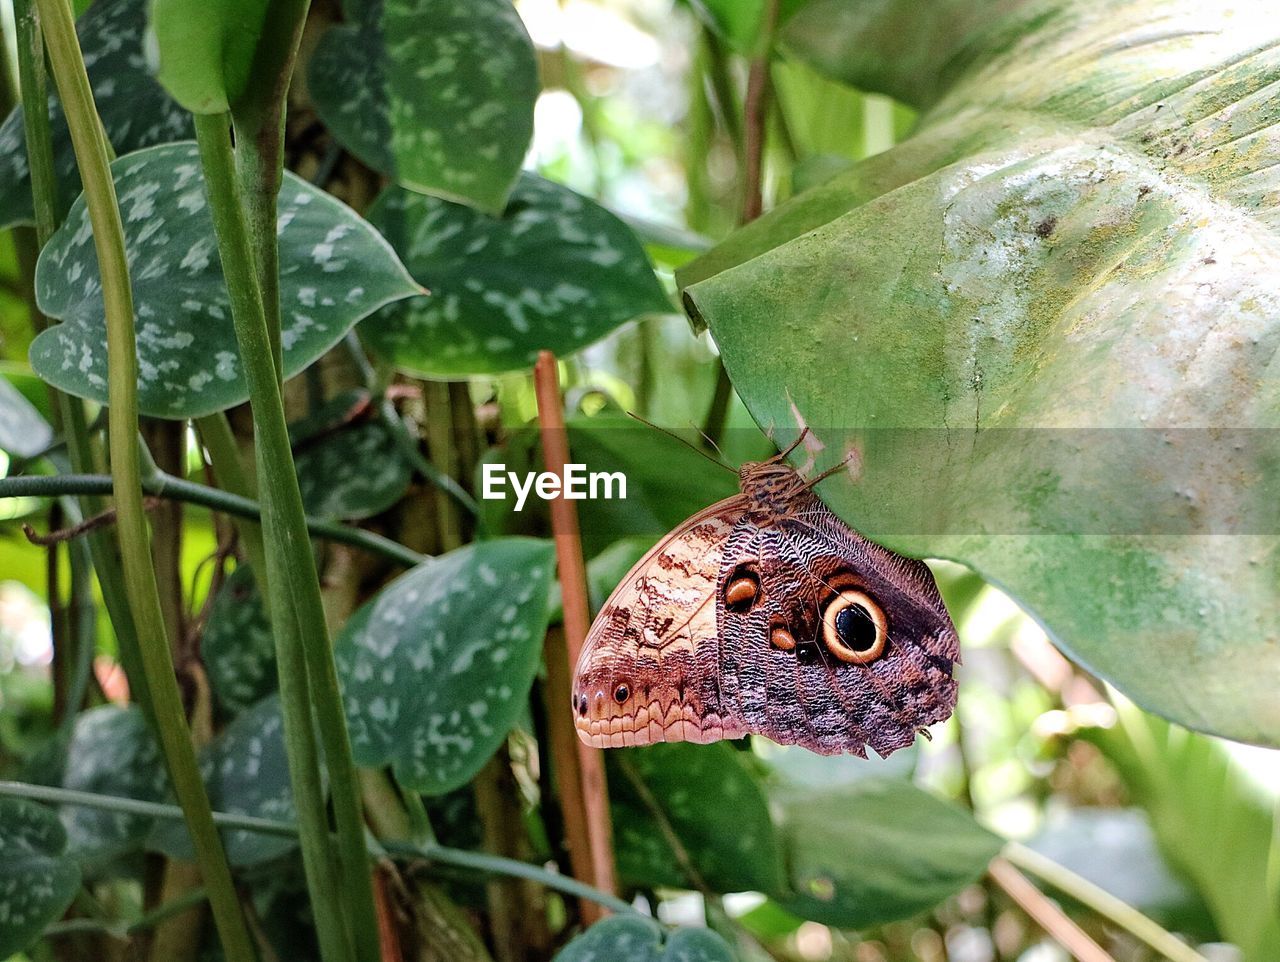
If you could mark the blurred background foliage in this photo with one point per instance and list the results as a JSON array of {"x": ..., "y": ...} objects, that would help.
[{"x": 788, "y": 856}]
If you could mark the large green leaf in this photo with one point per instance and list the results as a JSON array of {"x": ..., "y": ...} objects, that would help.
[
  {"x": 135, "y": 110},
  {"x": 246, "y": 772},
  {"x": 437, "y": 668},
  {"x": 334, "y": 270},
  {"x": 205, "y": 50},
  {"x": 711, "y": 799},
  {"x": 554, "y": 271},
  {"x": 876, "y": 850},
  {"x": 37, "y": 882},
  {"x": 23, "y": 431},
  {"x": 634, "y": 939},
  {"x": 437, "y": 94},
  {"x": 1046, "y": 324}
]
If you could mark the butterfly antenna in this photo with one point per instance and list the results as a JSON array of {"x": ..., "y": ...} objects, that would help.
[
  {"x": 710, "y": 440},
  {"x": 782, "y": 455},
  {"x": 830, "y": 471},
  {"x": 685, "y": 441}
]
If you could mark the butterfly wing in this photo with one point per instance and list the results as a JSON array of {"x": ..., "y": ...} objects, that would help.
[
  {"x": 649, "y": 669},
  {"x": 788, "y": 671}
]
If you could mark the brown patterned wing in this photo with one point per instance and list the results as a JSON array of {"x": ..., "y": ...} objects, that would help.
[
  {"x": 829, "y": 641},
  {"x": 649, "y": 669}
]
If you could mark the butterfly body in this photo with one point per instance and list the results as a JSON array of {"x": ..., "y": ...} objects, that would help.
[{"x": 766, "y": 614}]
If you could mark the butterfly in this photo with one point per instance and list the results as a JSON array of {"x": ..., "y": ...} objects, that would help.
[{"x": 766, "y": 614}]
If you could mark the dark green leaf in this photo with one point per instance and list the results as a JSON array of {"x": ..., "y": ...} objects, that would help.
[
  {"x": 876, "y": 850},
  {"x": 237, "y": 646},
  {"x": 352, "y": 470},
  {"x": 334, "y": 270},
  {"x": 554, "y": 271},
  {"x": 135, "y": 110},
  {"x": 246, "y": 772},
  {"x": 634, "y": 939},
  {"x": 1044, "y": 324},
  {"x": 437, "y": 94},
  {"x": 206, "y": 50},
  {"x": 22, "y": 429},
  {"x": 112, "y": 752},
  {"x": 37, "y": 881},
  {"x": 437, "y": 668}
]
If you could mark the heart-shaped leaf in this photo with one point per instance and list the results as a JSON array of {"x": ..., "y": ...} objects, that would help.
[
  {"x": 135, "y": 110},
  {"x": 553, "y": 271},
  {"x": 711, "y": 801},
  {"x": 348, "y": 467},
  {"x": 876, "y": 850},
  {"x": 112, "y": 752},
  {"x": 237, "y": 646},
  {"x": 437, "y": 668},
  {"x": 437, "y": 94},
  {"x": 37, "y": 881},
  {"x": 1045, "y": 326},
  {"x": 334, "y": 270},
  {"x": 246, "y": 772},
  {"x": 23, "y": 431},
  {"x": 634, "y": 939}
]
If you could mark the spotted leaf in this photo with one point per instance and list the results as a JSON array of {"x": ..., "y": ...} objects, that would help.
[
  {"x": 876, "y": 850},
  {"x": 437, "y": 94},
  {"x": 554, "y": 271},
  {"x": 135, "y": 110},
  {"x": 437, "y": 667},
  {"x": 246, "y": 772},
  {"x": 334, "y": 269},
  {"x": 37, "y": 881},
  {"x": 714, "y": 804},
  {"x": 237, "y": 646},
  {"x": 634, "y": 939}
]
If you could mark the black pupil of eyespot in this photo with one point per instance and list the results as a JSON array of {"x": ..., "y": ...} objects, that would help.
[
  {"x": 856, "y": 628},
  {"x": 807, "y": 652},
  {"x": 620, "y": 693}
]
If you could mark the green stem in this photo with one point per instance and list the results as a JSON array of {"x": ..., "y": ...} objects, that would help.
[
  {"x": 297, "y": 590},
  {"x": 478, "y": 861},
  {"x": 140, "y": 578},
  {"x": 163, "y": 485},
  {"x": 1101, "y": 901},
  {"x": 35, "y": 118},
  {"x": 120, "y": 930}
]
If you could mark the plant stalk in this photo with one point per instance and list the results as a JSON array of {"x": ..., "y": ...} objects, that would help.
[
  {"x": 296, "y": 591},
  {"x": 140, "y": 578}
]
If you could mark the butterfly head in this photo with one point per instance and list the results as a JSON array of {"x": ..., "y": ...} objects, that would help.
[{"x": 771, "y": 488}]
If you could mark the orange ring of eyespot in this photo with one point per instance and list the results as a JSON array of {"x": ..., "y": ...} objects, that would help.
[{"x": 832, "y": 637}]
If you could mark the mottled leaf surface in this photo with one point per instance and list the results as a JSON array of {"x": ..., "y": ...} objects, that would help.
[
  {"x": 876, "y": 850},
  {"x": 634, "y": 939},
  {"x": 1037, "y": 322},
  {"x": 349, "y": 465},
  {"x": 334, "y": 269},
  {"x": 712, "y": 800},
  {"x": 553, "y": 271},
  {"x": 37, "y": 881},
  {"x": 436, "y": 669},
  {"x": 237, "y": 647},
  {"x": 112, "y": 752},
  {"x": 135, "y": 110},
  {"x": 246, "y": 772},
  {"x": 23, "y": 431},
  {"x": 437, "y": 94}
]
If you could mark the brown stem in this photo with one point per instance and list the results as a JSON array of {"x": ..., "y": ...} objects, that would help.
[
  {"x": 589, "y": 820},
  {"x": 755, "y": 114},
  {"x": 1045, "y": 914},
  {"x": 59, "y": 535}
]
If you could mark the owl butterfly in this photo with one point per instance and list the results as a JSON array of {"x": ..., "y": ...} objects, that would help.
[{"x": 767, "y": 614}]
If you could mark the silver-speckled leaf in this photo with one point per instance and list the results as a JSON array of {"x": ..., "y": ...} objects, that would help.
[
  {"x": 246, "y": 772},
  {"x": 135, "y": 110},
  {"x": 1048, "y": 324},
  {"x": 630, "y": 938},
  {"x": 436, "y": 669},
  {"x": 554, "y": 271},
  {"x": 237, "y": 647},
  {"x": 23, "y": 430},
  {"x": 334, "y": 269},
  {"x": 437, "y": 94},
  {"x": 37, "y": 881},
  {"x": 112, "y": 752}
]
